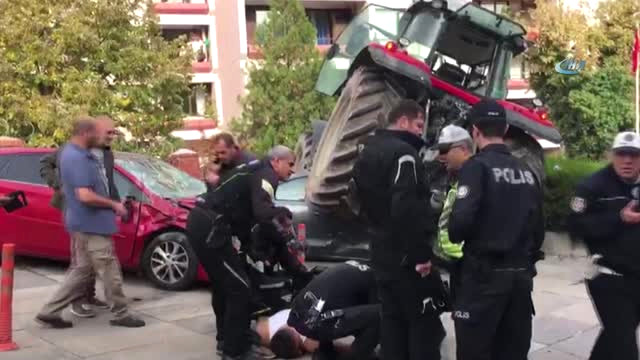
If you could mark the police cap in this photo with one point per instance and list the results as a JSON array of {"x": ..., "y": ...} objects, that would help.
[{"x": 487, "y": 112}]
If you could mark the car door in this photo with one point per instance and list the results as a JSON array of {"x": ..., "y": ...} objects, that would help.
[
  {"x": 36, "y": 229},
  {"x": 125, "y": 239}
]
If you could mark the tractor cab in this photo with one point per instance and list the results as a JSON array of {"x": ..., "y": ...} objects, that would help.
[{"x": 470, "y": 48}]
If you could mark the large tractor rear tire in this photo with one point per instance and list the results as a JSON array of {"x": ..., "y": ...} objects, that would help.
[
  {"x": 306, "y": 146},
  {"x": 303, "y": 151},
  {"x": 362, "y": 107},
  {"x": 527, "y": 149}
]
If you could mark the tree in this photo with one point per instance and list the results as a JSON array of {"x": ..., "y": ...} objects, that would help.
[
  {"x": 588, "y": 108},
  {"x": 64, "y": 58},
  {"x": 281, "y": 100}
]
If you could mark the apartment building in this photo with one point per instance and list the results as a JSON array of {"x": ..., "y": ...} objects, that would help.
[{"x": 222, "y": 36}]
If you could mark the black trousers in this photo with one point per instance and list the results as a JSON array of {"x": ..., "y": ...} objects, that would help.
[
  {"x": 616, "y": 299},
  {"x": 410, "y": 329},
  {"x": 230, "y": 285},
  {"x": 493, "y": 314},
  {"x": 362, "y": 322}
]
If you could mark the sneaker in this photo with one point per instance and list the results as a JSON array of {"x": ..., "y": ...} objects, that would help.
[
  {"x": 54, "y": 321},
  {"x": 82, "y": 310},
  {"x": 128, "y": 321},
  {"x": 98, "y": 304}
]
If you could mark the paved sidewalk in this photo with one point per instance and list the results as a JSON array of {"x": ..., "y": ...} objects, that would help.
[{"x": 180, "y": 324}]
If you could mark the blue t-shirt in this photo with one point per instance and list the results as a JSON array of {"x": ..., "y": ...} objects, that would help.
[{"x": 80, "y": 169}]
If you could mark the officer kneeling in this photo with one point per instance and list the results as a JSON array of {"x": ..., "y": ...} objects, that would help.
[
  {"x": 498, "y": 215},
  {"x": 340, "y": 302},
  {"x": 219, "y": 228},
  {"x": 605, "y": 214}
]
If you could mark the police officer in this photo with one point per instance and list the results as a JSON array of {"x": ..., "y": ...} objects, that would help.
[
  {"x": 219, "y": 228},
  {"x": 394, "y": 197},
  {"x": 342, "y": 301},
  {"x": 498, "y": 215},
  {"x": 456, "y": 147},
  {"x": 604, "y": 212}
]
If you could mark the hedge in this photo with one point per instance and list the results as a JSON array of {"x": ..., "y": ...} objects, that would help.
[{"x": 563, "y": 174}]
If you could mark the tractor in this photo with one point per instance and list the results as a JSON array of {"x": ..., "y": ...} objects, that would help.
[{"x": 446, "y": 60}]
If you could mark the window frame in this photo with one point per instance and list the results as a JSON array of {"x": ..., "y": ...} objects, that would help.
[
  {"x": 302, "y": 179},
  {"x": 12, "y": 158}
]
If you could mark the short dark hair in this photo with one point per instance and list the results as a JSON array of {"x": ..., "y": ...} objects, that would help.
[
  {"x": 284, "y": 344},
  {"x": 491, "y": 128},
  {"x": 406, "y": 107},
  {"x": 226, "y": 137},
  {"x": 83, "y": 124}
]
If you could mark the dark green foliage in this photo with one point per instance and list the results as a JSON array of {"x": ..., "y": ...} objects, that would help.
[{"x": 281, "y": 100}]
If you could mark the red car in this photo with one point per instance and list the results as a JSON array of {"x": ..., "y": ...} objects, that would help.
[{"x": 152, "y": 239}]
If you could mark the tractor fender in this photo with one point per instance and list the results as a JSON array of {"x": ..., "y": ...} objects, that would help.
[{"x": 401, "y": 63}]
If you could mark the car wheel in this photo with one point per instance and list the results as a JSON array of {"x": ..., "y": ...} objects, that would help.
[{"x": 170, "y": 262}]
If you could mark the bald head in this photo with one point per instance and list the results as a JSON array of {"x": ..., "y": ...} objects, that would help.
[
  {"x": 282, "y": 159},
  {"x": 106, "y": 130},
  {"x": 82, "y": 125},
  {"x": 84, "y": 132}
]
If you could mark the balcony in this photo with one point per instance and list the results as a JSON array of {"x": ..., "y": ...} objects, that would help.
[
  {"x": 198, "y": 40},
  {"x": 182, "y": 7}
]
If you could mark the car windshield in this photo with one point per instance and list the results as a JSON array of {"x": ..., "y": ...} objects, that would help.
[{"x": 161, "y": 178}]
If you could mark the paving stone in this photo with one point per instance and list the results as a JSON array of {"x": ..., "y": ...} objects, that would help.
[
  {"x": 551, "y": 354},
  {"x": 95, "y": 336},
  {"x": 579, "y": 345},
  {"x": 550, "y": 330},
  {"x": 178, "y": 311},
  {"x": 39, "y": 353},
  {"x": 23, "y": 279},
  {"x": 582, "y": 312},
  {"x": 32, "y": 299},
  {"x": 201, "y": 324},
  {"x": 22, "y": 320},
  {"x": 191, "y": 347},
  {"x": 546, "y": 302}
]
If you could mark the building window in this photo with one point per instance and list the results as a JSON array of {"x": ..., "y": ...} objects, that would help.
[
  {"x": 328, "y": 23},
  {"x": 322, "y": 22},
  {"x": 200, "y": 101},
  {"x": 197, "y": 39}
]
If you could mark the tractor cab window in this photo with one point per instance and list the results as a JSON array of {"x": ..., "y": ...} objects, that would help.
[
  {"x": 471, "y": 58},
  {"x": 422, "y": 32},
  {"x": 374, "y": 24}
]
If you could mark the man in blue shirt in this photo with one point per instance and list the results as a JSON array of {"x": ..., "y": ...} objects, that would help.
[{"x": 90, "y": 218}]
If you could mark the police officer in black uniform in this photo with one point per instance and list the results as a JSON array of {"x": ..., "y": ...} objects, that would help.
[
  {"x": 498, "y": 215},
  {"x": 394, "y": 197},
  {"x": 219, "y": 229},
  {"x": 342, "y": 301},
  {"x": 605, "y": 214}
]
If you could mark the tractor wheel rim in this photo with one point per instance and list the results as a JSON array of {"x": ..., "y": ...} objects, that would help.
[{"x": 169, "y": 262}]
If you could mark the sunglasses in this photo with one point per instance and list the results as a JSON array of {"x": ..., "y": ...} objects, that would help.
[
  {"x": 627, "y": 153},
  {"x": 444, "y": 151}
]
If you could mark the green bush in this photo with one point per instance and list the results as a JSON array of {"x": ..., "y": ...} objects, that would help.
[{"x": 563, "y": 174}]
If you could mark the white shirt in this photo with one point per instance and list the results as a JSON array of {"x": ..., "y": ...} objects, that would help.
[{"x": 277, "y": 321}]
